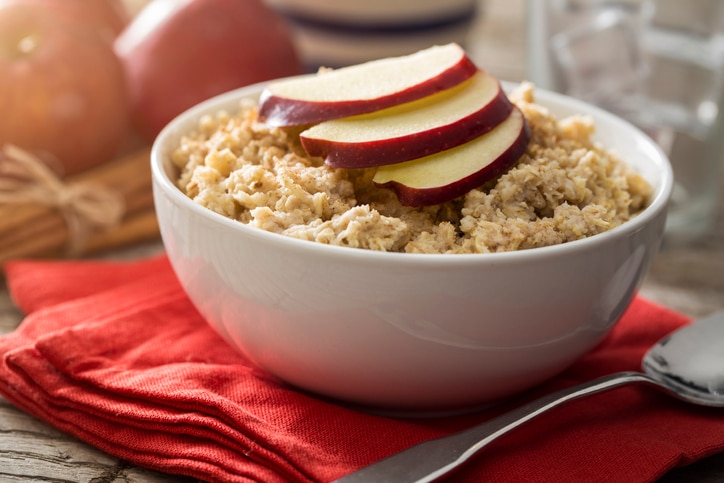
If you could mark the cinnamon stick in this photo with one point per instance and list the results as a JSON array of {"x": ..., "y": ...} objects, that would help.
[
  {"x": 40, "y": 231},
  {"x": 141, "y": 227},
  {"x": 37, "y": 228}
]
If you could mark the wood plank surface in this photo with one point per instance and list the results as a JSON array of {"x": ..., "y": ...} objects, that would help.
[{"x": 688, "y": 279}]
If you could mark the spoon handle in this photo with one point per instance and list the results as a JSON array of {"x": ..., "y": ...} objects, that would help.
[{"x": 432, "y": 459}]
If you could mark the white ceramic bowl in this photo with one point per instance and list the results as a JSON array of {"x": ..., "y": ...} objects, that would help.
[{"x": 408, "y": 331}]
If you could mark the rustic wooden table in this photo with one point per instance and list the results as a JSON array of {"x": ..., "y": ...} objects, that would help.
[{"x": 688, "y": 279}]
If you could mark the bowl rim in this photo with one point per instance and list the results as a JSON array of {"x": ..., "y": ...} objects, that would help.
[{"x": 658, "y": 203}]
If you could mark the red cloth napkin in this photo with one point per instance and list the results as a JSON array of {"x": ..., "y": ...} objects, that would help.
[{"x": 115, "y": 354}]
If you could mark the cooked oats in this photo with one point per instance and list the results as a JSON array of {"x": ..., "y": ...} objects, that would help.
[{"x": 565, "y": 187}]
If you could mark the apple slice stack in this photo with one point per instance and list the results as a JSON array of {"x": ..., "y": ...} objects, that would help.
[{"x": 433, "y": 124}]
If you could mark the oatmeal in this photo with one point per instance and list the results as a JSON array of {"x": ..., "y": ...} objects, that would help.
[{"x": 565, "y": 187}]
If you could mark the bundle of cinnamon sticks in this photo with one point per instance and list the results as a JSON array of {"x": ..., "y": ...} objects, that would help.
[{"x": 36, "y": 229}]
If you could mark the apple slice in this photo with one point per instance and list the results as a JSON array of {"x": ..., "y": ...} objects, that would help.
[
  {"x": 446, "y": 175},
  {"x": 411, "y": 130},
  {"x": 364, "y": 88}
]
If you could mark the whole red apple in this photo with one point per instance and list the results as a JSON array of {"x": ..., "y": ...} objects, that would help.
[
  {"x": 109, "y": 16},
  {"x": 178, "y": 53},
  {"x": 62, "y": 88}
]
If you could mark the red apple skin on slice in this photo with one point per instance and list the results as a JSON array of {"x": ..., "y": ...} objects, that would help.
[
  {"x": 364, "y": 88},
  {"x": 411, "y": 130},
  {"x": 447, "y": 175}
]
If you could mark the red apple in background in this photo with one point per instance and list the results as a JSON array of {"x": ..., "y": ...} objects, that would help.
[
  {"x": 412, "y": 130},
  {"x": 62, "y": 88},
  {"x": 109, "y": 16},
  {"x": 449, "y": 174},
  {"x": 178, "y": 53},
  {"x": 364, "y": 88}
]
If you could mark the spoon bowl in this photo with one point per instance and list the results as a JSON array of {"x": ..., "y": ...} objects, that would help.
[{"x": 687, "y": 364}]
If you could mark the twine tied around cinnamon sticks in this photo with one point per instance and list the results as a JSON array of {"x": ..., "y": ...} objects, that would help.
[{"x": 86, "y": 207}]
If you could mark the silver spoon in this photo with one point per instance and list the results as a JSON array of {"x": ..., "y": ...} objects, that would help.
[{"x": 687, "y": 364}]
